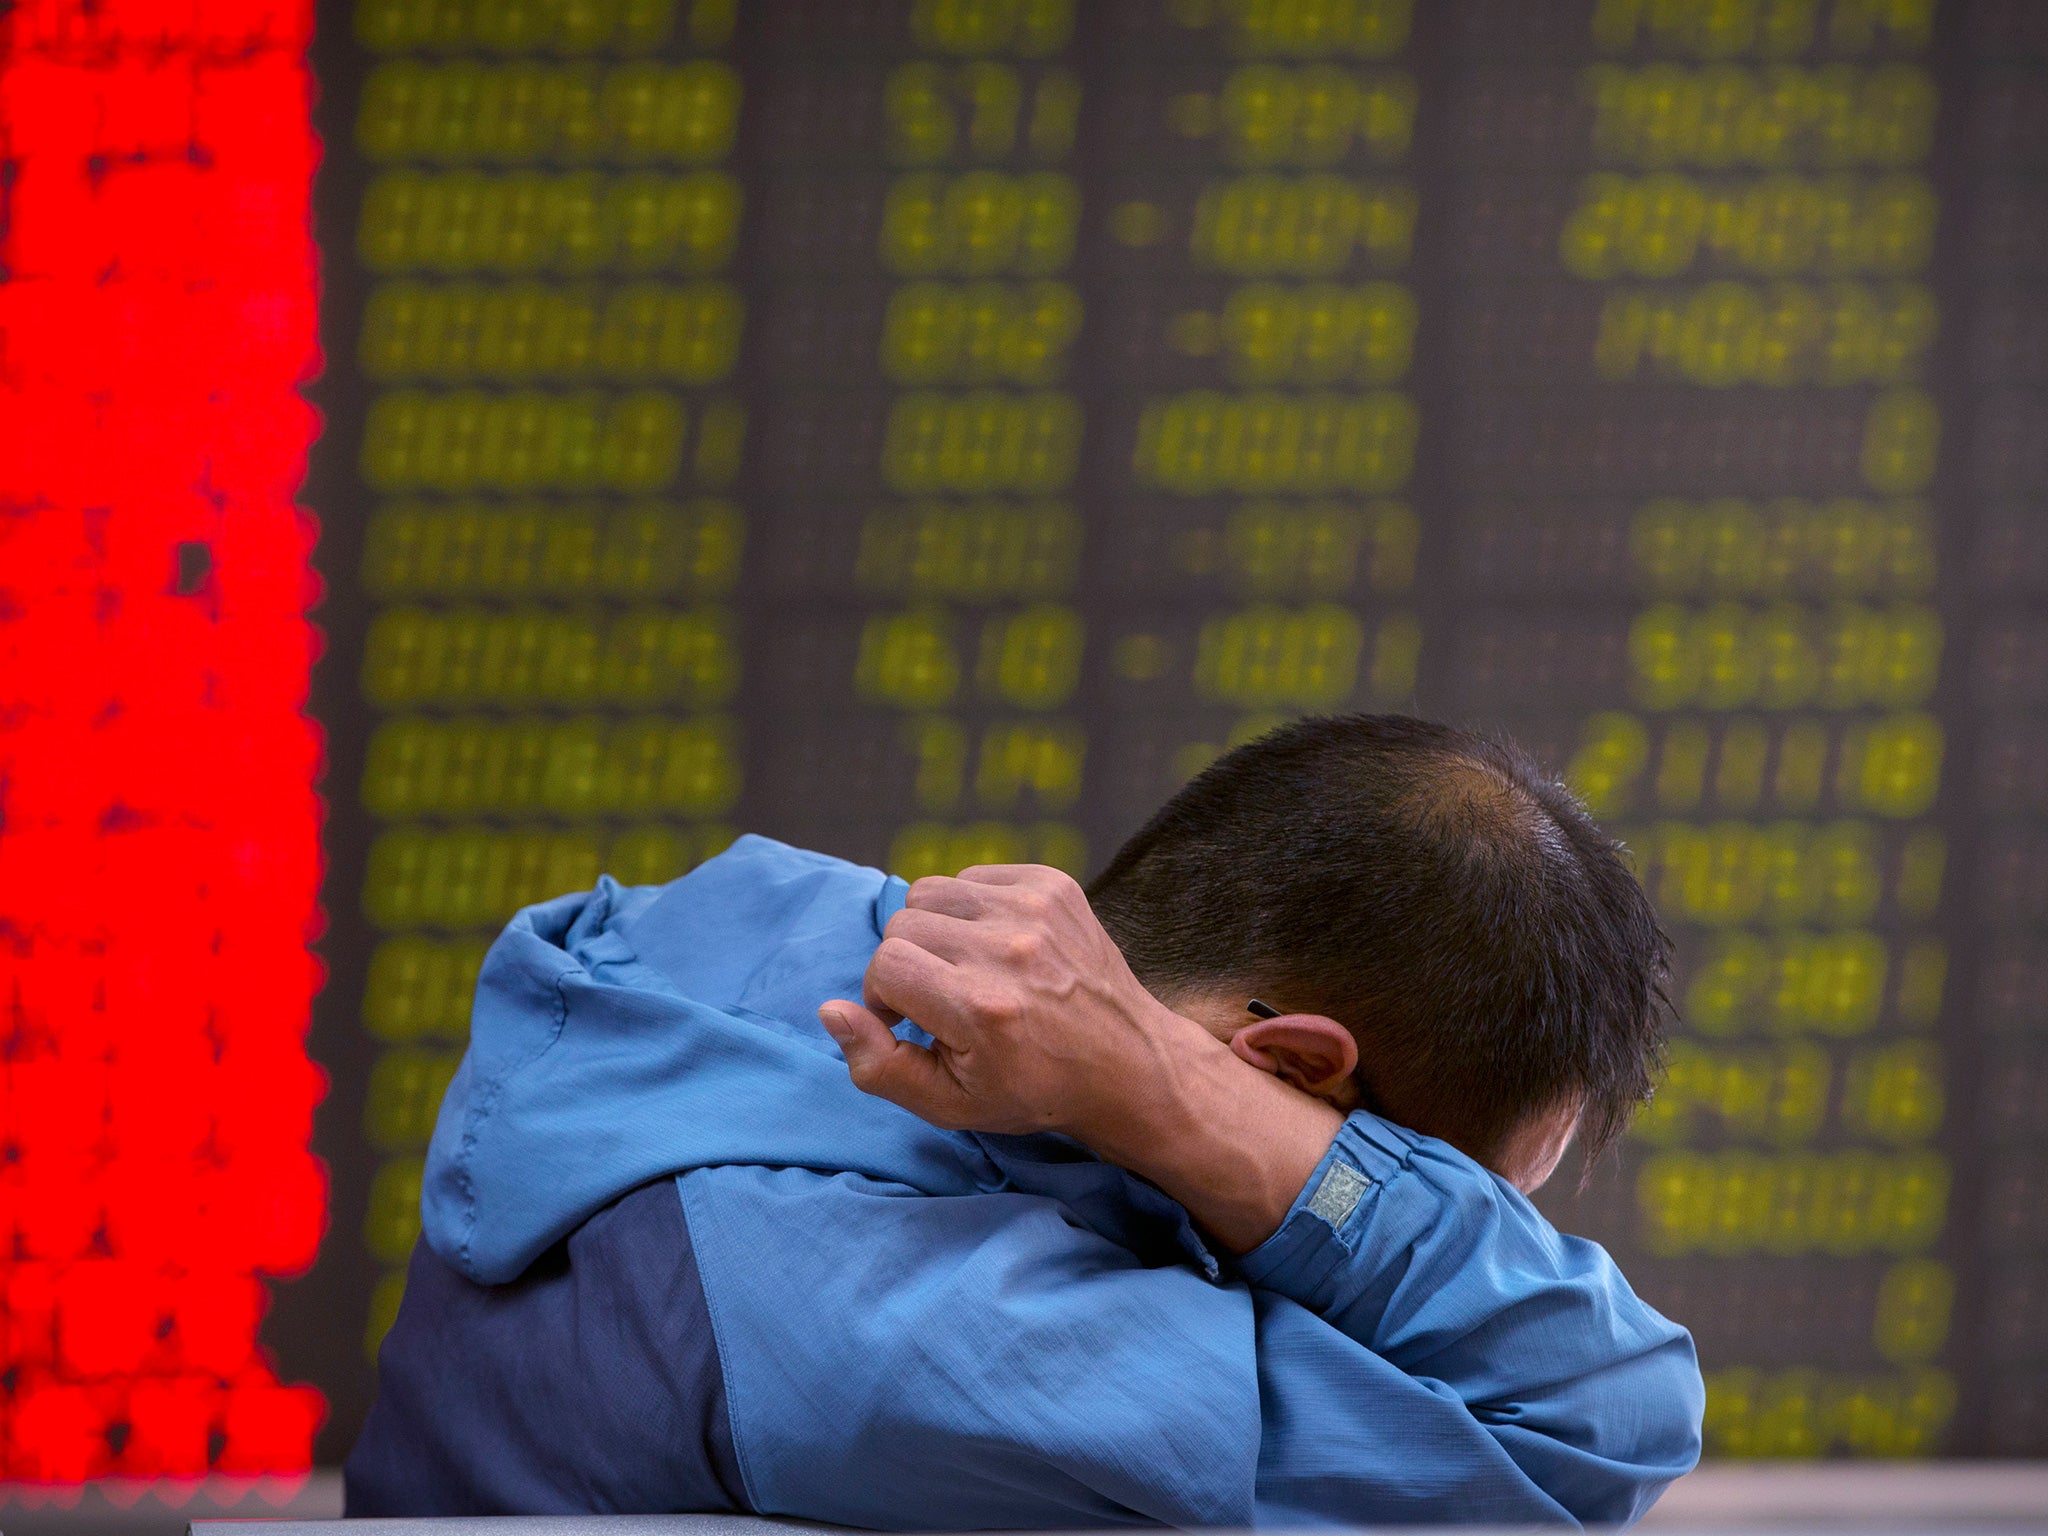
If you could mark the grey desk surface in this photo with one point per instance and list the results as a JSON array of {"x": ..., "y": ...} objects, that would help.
[
  {"x": 1726, "y": 1499},
  {"x": 1980, "y": 1499},
  {"x": 727, "y": 1525},
  {"x": 516, "y": 1525}
]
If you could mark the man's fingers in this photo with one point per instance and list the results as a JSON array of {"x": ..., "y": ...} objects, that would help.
[
  {"x": 952, "y": 939},
  {"x": 955, "y": 898},
  {"x": 1005, "y": 874},
  {"x": 913, "y": 983},
  {"x": 892, "y": 1069}
]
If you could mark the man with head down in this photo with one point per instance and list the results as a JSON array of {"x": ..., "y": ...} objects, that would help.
[{"x": 1196, "y": 1198}]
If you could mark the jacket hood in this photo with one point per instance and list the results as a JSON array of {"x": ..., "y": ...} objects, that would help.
[{"x": 623, "y": 1034}]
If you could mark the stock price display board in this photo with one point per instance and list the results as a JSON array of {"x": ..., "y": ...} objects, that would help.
[{"x": 929, "y": 430}]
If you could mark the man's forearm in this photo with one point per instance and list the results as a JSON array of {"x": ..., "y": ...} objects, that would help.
[
  {"x": 1037, "y": 1024},
  {"x": 1232, "y": 1144}
]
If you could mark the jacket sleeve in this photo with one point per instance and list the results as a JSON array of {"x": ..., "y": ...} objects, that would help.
[{"x": 1430, "y": 1347}]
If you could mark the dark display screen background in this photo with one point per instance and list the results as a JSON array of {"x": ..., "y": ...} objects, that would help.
[{"x": 930, "y": 430}]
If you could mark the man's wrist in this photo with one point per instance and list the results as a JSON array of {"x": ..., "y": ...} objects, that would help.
[{"x": 1231, "y": 1143}]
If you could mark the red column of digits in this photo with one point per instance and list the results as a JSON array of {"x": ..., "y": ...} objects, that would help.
[{"x": 159, "y": 857}]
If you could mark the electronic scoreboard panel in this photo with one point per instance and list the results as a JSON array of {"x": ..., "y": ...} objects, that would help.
[{"x": 930, "y": 430}]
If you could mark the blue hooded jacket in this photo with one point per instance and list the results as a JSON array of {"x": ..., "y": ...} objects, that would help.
[{"x": 923, "y": 1329}]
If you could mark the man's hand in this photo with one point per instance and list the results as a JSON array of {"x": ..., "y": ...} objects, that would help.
[
  {"x": 1037, "y": 1022},
  {"x": 1038, "y": 1025}
]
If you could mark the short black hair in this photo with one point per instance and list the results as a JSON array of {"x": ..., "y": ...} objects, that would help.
[{"x": 1431, "y": 890}]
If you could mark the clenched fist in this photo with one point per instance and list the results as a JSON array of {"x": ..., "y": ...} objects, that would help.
[{"x": 1036, "y": 1021}]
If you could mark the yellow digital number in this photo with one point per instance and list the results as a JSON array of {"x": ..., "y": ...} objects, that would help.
[
  {"x": 469, "y": 766},
  {"x": 531, "y": 549},
  {"x": 940, "y": 746},
  {"x": 979, "y": 333},
  {"x": 1205, "y": 443},
  {"x": 1039, "y": 759},
  {"x": 1901, "y": 436},
  {"x": 1729, "y": 116},
  {"x": 530, "y": 222},
  {"x": 682, "y": 768},
  {"x": 1031, "y": 659},
  {"x": 1788, "y": 983},
  {"x": 1317, "y": 29},
  {"x": 472, "y": 877},
  {"x": 686, "y": 334},
  {"x": 1915, "y": 1301},
  {"x": 1273, "y": 116},
  {"x": 1028, "y": 29},
  {"x": 1895, "y": 1094},
  {"x": 404, "y": 1095},
  {"x": 523, "y": 441},
  {"x": 1891, "y": 766},
  {"x": 1810, "y": 1413},
  {"x": 1316, "y": 225},
  {"x": 980, "y": 551},
  {"x": 936, "y": 111},
  {"x": 514, "y": 26},
  {"x": 908, "y": 659},
  {"x": 1321, "y": 548},
  {"x": 1787, "y": 334},
  {"x": 1839, "y": 1203},
  {"x": 980, "y": 224},
  {"x": 655, "y": 855},
  {"x": 1319, "y": 334},
  {"x": 981, "y": 442},
  {"x": 1613, "y": 752},
  {"x": 1777, "y": 1095},
  {"x": 523, "y": 332},
  {"x": 1771, "y": 29},
  {"x": 1730, "y": 546},
  {"x": 420, "y": 989},
  {"x": 1780, "y": 225},
  {"x": 1784, "y": 872},
  {"x": 512, "y": 113},
  {"x": 1784, "y": 657},
  {"x": 1273, "y": 657},
  {"x": 531, "y": 657},
  {"x": 685, "y": 113},
  {"x": 392, "y": 1223}
]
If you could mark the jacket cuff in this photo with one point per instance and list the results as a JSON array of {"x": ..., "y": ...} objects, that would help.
[{"x": 1364, "y": 1171}]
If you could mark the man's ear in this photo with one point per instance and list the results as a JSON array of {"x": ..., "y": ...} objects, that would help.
[{"x": 1315, "y": 1054}]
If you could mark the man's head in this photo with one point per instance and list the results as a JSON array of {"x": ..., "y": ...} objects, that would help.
[{"x": 1450, "y": 938}]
